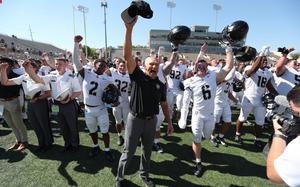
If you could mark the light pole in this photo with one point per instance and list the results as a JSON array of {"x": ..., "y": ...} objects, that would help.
[
  {"x": 84, "y": 10},
  {"x": 74, "y": 27},
  {"x": 171, "y": 4},
  {"x": 104, "y": 5},
  {"x": 216, "y": 8},
  {"x": 30, "y": 33}
]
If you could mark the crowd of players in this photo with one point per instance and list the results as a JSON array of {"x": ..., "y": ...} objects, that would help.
[{"x": 203, "y": 88}]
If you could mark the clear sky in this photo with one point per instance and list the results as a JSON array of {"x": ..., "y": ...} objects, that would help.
[{"x": 271, "y": 22}]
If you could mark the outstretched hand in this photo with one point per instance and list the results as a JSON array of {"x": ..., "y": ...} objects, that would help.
[
  {"x": 204, "y": 47},
  {"x": 130, "y": 25}
]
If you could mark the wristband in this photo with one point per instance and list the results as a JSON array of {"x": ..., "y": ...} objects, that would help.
[{"x": 283, "y": 137}]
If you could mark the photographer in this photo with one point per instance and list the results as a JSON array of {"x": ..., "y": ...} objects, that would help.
[{"x": 283, "y": 160}]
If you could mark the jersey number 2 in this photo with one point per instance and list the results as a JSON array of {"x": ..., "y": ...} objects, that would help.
[{"x": 93, "y": 89}]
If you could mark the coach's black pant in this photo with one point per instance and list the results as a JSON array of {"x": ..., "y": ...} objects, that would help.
[
  {"x": 67, "y": 119},
  {"x": 38, "y": 115},
  {"x": 135, "y": 130}
]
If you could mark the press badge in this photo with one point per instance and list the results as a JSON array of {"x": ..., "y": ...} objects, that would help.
[{"x": 55, "y": 108}]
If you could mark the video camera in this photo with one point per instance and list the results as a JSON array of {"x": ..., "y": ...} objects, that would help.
[
  {"x": 281, "y": 111},
  {"x": 278, "y": 108}
]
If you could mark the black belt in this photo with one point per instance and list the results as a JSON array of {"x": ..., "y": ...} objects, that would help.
[
  {"x": 142, "y": 116},
  {"x": 59, "y": 103}
]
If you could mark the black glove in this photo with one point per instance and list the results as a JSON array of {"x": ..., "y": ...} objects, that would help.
[{"x": 283, "y": 50}]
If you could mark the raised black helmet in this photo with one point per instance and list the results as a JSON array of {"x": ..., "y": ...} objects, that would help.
[{"x": 235, "y": 32}]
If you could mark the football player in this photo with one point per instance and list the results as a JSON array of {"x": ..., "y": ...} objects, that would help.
[
  {"x": 286, "y": 76},
  {"x": 174, "y": 93},
  {"x": 257, "y": 80},
  {"x": 122, "y": 81},
  {"x": 94, "y": 83},
  {"x": 202, "y": 88}
]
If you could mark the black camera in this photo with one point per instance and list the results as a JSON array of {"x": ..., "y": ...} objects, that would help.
[
  {"x": 290, "y": 126},
  {"x": 283, "y": 50}
]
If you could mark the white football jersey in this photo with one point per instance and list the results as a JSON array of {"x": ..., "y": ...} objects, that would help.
[
  {"x": 222, "y": 93},
  {"x": 287, "y": 81},
  {"x": 93, "y": 86},
  {"x": 203, "y": 92},
  {"x": 176, "y": 76},
  {"x": 160, "y": 74},
  {"x": 255, "y": 86},
  {"x": 59, "y": 83},
  {"x": 122, "y": 82}
]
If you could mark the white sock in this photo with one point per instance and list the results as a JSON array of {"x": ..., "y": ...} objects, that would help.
[
  {"x": 106, "y": 149},
  {"x": 237, "y": 133},
  {"x": 221, "y": 135},
  {"x": 96, "y": 145},
  {"x": 257, "y": 139},
  {"x": 156, "y": 140},
  {"x": 198, "y": 160}
]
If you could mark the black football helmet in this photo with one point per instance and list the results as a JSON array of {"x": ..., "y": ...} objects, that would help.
[
  {"x": 178, "y": 35},
  {"x": 245, "y": 53},
  {"x": 234, "y": 33},
  {"x": 268, "y": 100},
  {"x": 237, "y": 85},
  {"x": 111, "y": 94}
]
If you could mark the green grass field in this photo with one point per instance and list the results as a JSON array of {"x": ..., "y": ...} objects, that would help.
[{"x": 224, "y": 166}]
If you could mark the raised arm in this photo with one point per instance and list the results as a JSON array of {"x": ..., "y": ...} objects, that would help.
[
  {"x": 280, "y": 65},
  {"x": 29, "y": 70},
  {"x": 76, "y": 55},
  {"x": 228, "y": 66},
  {"x": 202, "y": 52},
  {"x": 127, "y": 51},
  {"x": 169, "y": 65},
  {"x": 277, "y": 148},
  {"x": 4, "y": 80},
  {"x": 255, "y": 66}
]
